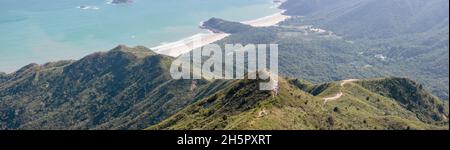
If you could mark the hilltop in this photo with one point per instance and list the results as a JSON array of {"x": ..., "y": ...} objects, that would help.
[
  {"x": 125, "y": 88},
  {"x": 131, "y": 88},
  {"x": 300, "y": 106}
]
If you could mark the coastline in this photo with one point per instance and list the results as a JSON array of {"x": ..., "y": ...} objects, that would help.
[
  {"x": 49, "y": 48},
  {"x": 185, "y": 45},
  {"x": 267, "y": 21}
]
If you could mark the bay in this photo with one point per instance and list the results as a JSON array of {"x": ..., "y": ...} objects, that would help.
[{"x": 38, "y": 31}]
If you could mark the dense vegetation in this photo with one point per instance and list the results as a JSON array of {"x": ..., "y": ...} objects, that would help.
[
  {"x": 219, "y": 25},
  {"x": 371, "y": 19},
  {"x": 412, "y": 35},
  {"x": 242, "y": 106},
  {"x": 316, "y": 57},
  {"x": 410, "y": 95},
  {"x": 131, "y": 88},
  {"x": 125, "y": 88}
]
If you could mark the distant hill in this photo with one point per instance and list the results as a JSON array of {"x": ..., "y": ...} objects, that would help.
[
  {"x": 329, "y": 40},
  {"x": 314, "y": 56},
  {"x": 219, "y": 25},
  {"x": 413, "y": 35},
  {"x": 372, "y": 18},
  {"x": 242, "y": 106}
]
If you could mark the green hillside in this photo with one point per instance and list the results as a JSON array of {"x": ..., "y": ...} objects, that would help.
[
  {"x": 130, "y": 88},
  {"x": 242, "y": 106},
  {"x": 410, "y": 95},
  {"x": 316, "y": 57},
  {"x": 125, "y": 88},
  {"x": 219, "y": 25},
  {"x": 410, "y": 36},
  {"x": 329, "y": 40},
  {"x": 323, "y": 45},
  {"x": 371, "y": 18}
]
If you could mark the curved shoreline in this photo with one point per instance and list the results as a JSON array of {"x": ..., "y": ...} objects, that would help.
[
  {"x": 185, "y": 45},
  {"x": 267, "y": 21}
]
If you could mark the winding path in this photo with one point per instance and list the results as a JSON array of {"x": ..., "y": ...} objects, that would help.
[{"x": 340, "y": 94}]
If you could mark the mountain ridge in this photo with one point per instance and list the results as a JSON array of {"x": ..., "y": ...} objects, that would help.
[
  {"x": 307, "y": 111},
  {"x": 120, "y": 90},
  {"x": 131, "y": 87},
  {"x": 99, "y": 91}
]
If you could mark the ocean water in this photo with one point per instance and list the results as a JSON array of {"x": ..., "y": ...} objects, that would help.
[{"x": 38, "y": 31}]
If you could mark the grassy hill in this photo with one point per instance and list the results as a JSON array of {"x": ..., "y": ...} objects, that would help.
[
  {"x": 130, "y": 88},
  {"x": 125, "y": 88},
  {"x": 299, "y": 105},
  {"x": 410, "y": 95}
]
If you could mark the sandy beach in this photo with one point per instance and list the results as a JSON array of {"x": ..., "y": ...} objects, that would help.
[
  {"x": 267, "y": 21},
  {"x": 185, "y": 45}
]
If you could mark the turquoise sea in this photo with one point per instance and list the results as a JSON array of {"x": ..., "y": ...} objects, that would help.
[{"x": 38, "y": 31}]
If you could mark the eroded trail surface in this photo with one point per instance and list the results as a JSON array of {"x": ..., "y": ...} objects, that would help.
[{"x": 340, "y": 94}]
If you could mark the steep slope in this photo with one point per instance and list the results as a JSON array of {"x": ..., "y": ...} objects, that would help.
[
  {"x": 125, "y": 88},
  {"x": 242, "y": 106},
  {"x": 309, "y": 55},
  {"x": 408, "y": 37},
  {"x": 371, "y": 18},
  {"x": 367, "y": 101},
  {"x": 410, "y": 95}
]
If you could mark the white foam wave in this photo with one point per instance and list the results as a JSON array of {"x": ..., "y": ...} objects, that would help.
[{"x": 84, "y": 7}]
